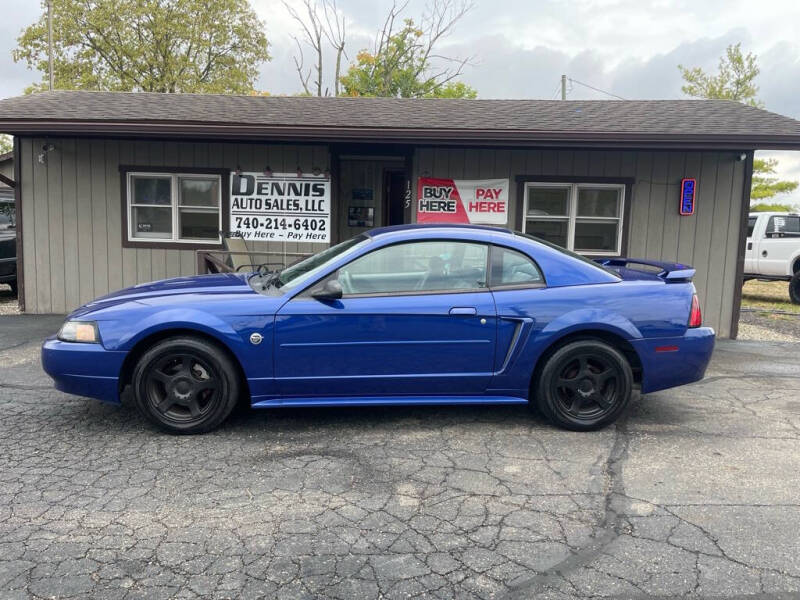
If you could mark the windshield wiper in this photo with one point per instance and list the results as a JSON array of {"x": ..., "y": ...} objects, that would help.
[
  {"x": 267, "y": 278},
  {"x": 262, "y": 268}
]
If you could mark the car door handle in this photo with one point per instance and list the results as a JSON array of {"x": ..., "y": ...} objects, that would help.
[
  {"x": 464, "y": 310},
  {"x": 764, "y": 254},
  {"x": 749, "y": 245}
]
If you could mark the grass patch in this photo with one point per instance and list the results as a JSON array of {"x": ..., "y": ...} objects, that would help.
[{"x": 768, "y": 295}]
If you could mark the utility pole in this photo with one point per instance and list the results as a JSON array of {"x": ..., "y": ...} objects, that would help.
[
  {"x": 563, "y": 87},
  {"x": 50, "y": 40}
]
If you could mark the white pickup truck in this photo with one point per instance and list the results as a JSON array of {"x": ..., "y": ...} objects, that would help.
[{"x": 773, "y": 250}]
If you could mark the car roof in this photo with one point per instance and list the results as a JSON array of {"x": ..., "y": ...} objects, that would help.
[
  {"x": 773, "y": 214},
  {"x": 455, "y": 227}
]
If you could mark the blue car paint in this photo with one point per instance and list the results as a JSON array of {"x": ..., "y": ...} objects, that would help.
[{"x": 396, "y": 349}]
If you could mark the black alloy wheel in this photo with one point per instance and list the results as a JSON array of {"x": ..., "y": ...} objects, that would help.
[
  {"x": 584, "y": 385},
  {"x": 185, "y": 385}
]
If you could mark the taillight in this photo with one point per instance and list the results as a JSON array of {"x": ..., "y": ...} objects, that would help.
[{"x": 695, "y": 317}]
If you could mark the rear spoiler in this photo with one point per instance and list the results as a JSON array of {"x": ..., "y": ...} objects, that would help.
[{"x": 669, "y": 272}]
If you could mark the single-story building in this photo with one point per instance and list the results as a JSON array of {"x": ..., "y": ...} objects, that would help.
[{"x": 115, "y": 189}]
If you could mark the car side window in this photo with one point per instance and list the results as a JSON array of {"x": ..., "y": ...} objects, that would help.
[
  {"x": 510, "y": 267},
  {"x": 425, "y": 267},
  {"x": 751, "y": 225}
]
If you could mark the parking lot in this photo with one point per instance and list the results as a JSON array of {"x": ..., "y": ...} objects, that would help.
[{"x": 694, "y": 493}]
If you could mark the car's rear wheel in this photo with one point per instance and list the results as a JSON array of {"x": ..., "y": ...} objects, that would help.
[
  {"x": 794, "y": 288},
  {"x": 185, "y": 385},
  {"x": 584, "y": 385}
]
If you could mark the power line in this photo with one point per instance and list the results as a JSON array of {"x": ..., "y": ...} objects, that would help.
[{"x": 586, "y": 85}]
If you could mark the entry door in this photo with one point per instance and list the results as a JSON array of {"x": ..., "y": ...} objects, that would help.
[
  {"x": 414, "y": 320},
  {"x": 363, "y": 193},
  {"x": 394, "y": 187}
]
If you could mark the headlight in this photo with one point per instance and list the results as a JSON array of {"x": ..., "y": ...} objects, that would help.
[{"x": 79, "y": 331}]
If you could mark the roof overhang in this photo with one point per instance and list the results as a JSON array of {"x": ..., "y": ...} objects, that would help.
[{"x": 321, "y": 134}]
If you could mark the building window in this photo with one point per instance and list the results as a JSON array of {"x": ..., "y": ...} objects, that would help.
[
  {"x": 583, "y": 217},
  {"x": 174, "y": 207}
]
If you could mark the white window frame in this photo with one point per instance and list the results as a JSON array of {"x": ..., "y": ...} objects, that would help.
[
  {"x": 572, "y": 213},
  {"x": 175, "y": 207}
]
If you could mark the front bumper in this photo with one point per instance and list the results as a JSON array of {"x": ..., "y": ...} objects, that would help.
[
  {"x": 83, "y": 369},
  {"x": 674, "y": 361}
]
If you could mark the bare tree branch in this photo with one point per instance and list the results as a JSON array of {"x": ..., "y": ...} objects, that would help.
[
  {"x": 321, "y": 20},
  {"x": 401, "y": 44},
  {"x": 335, "y": 32},
  {"x": 298, "y": 64}
]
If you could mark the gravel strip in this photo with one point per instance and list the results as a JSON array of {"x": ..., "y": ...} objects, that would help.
[
  {"x": 772, "y": 328},
  {"x": 8, "y": 301}
]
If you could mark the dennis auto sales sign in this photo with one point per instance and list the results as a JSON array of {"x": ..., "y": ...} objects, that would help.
[
  {"x": 281, "y": 207},
  {"x": 462, "y": 201}
]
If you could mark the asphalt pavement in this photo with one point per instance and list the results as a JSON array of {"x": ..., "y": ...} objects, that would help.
[{"x": 694, "y": 493}]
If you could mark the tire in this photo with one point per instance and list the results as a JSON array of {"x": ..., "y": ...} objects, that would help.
[
  {"x": 185, "y": 385},
  {"x": 794, "y": 288},
  {"x": 584, "y": 386}
]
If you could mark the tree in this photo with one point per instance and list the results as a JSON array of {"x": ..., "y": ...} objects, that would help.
[
  {"x": 773, "y": 207},
  {"x": 6, "y": 143},
  {"x": 734, "y": 81},
  {"x": 321, "y": 20},
  {"x": 210, "y": 46},
  {"x": 404, "y": 62},
  {"x": 765, "y": 186}
]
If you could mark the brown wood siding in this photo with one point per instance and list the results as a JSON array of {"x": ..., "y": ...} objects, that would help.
[
  {"x": 73, "y": 220},
  {"x": 72, "y": 208},
  {"x": 707, "y": 240}
]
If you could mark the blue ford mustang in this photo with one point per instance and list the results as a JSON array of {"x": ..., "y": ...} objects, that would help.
[{"x": 398, "y": 315}]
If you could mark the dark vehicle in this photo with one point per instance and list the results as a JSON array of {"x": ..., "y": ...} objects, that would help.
[{"x": 8, "y": 243}]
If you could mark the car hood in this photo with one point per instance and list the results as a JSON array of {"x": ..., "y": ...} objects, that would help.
[{"x": 205, "y": 285}]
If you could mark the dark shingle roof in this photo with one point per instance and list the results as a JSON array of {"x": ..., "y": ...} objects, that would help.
[{"x": 713, "y": 123}]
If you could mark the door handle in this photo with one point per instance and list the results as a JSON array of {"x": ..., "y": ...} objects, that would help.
[
  {"x": 749, "y": 245},
  {"x": 464, "y": 310},
  {"x": 764, "y": 253}
]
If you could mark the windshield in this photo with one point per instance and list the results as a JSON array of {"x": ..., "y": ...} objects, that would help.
[
  {"x": 569, "y": 253},
  {"x": 305, "y": 270}
]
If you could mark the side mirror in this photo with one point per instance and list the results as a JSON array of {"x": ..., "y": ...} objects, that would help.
[{"x": 332, "y": 290}]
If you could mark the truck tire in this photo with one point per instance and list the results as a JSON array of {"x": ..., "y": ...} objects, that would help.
[{"x": 794, "y": 288}]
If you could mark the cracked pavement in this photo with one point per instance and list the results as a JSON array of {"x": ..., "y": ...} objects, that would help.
[{"x": 695, "y": 493}]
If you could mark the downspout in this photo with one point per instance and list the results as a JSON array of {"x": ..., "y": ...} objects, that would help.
[
  {"x": 745, "y": 213},
  {"x": 18, "y": 208}
]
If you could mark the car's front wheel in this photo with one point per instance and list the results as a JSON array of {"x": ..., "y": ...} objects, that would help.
[
  {"x": 584, "y": 385},
  {"x": 185, "y": 385}
]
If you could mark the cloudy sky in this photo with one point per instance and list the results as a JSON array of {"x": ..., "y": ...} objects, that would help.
[{"x": 520, "y": 48}]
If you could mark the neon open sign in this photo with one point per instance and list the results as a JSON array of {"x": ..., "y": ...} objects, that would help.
[{"x": 687, "y": 196}]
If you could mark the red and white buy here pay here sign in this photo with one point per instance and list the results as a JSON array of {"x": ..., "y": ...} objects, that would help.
[{"x": 462, "y": 201}]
